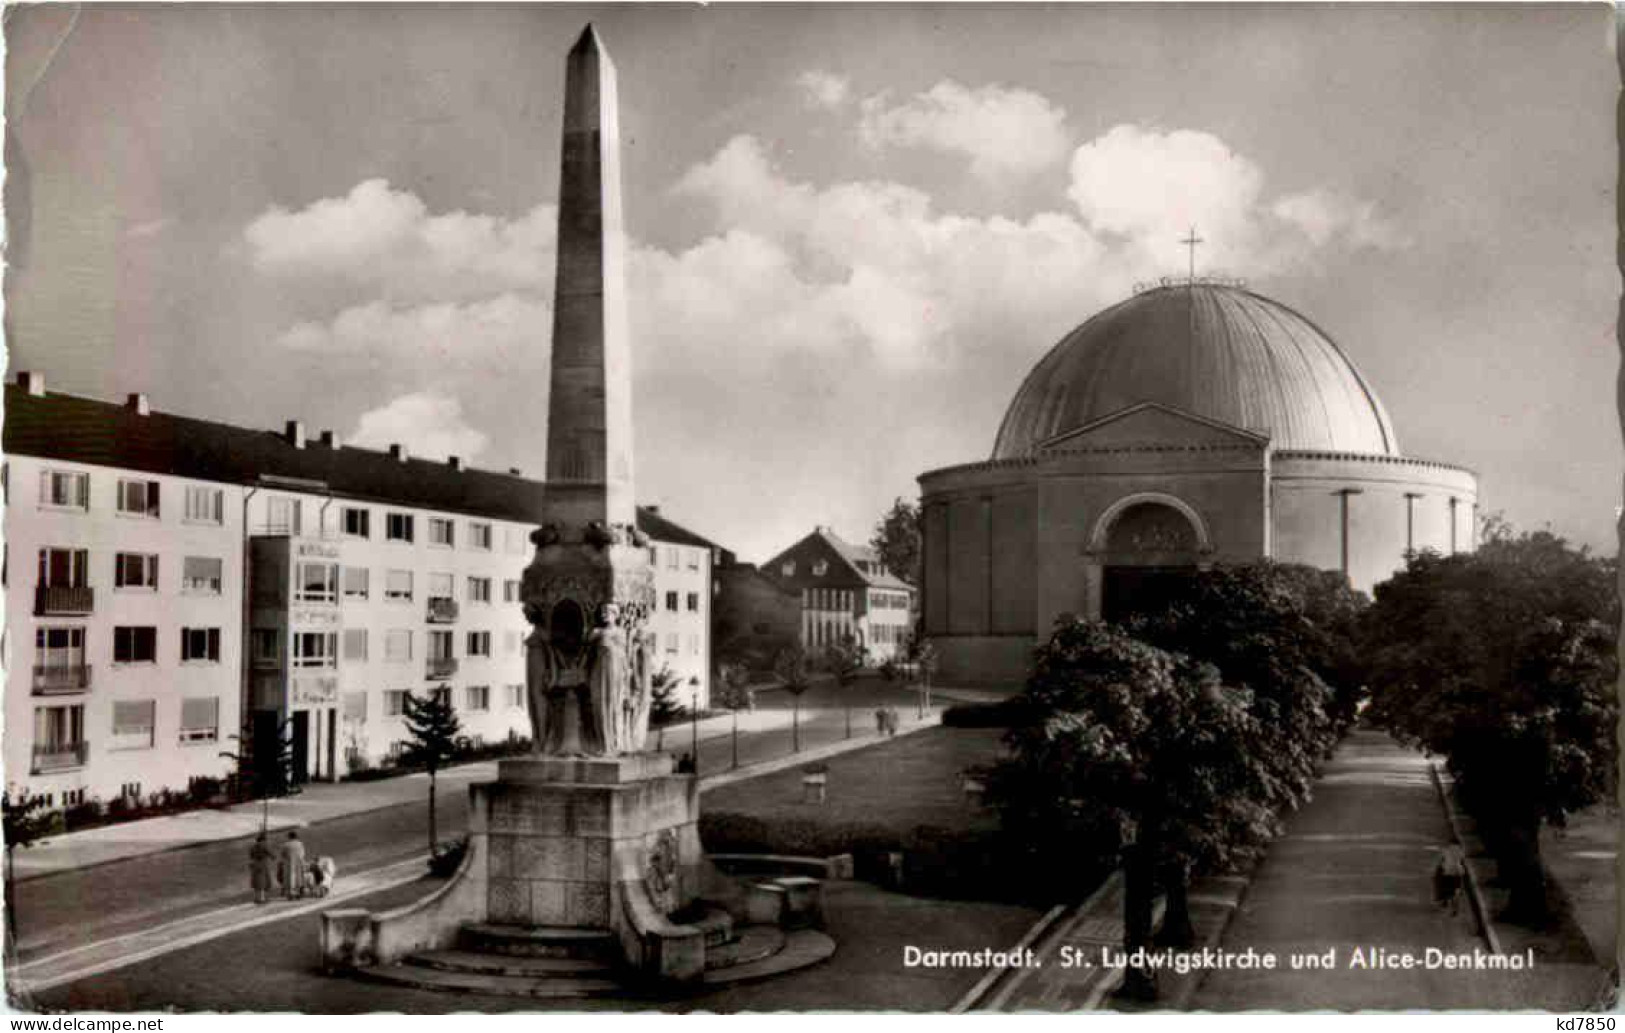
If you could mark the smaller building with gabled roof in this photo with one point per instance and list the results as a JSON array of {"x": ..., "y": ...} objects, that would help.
[{"x": 844, "y": 589}]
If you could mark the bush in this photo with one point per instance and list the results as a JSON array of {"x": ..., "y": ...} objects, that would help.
[
  {"x": 204, "y": 789},
  {"x": 1006, "y": 713},
  {"x": 82, "y": 815}
]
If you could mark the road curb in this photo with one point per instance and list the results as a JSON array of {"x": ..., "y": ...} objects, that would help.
[{"x": 1475, "y": 896}]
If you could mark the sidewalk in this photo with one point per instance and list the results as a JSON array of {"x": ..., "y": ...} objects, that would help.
[
  {"x": 324, "y": 801},
  {"x": 1353, "y": 871}
]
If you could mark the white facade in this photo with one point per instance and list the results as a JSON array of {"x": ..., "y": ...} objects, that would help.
[
  {"x": 681, "y": 621},
  {"x": 124, "y": 629}
]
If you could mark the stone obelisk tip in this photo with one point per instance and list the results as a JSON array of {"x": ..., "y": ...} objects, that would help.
[{"x": 588, "y": 40}]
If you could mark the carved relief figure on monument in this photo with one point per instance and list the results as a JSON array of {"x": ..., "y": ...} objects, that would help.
[{"x": 607, "y": 678}]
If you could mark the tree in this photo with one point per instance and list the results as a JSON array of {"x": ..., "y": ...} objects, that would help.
[
  {"x": 1253, "y": 623},
  {"x": 664, "y": 706},
  {"x": 897, "y": 541},
  {"x": 432, "y": 729},
  {"x": 26, "y": 821},
  {"x": 795, "y": 672},
  {"x": 264, "y": 759},
  {"x": 844, "y": 661},
  {"x": 1504, "y": 662},
  {"x": 734, "y": 693},
  {"x": 1139, "y": 753}
]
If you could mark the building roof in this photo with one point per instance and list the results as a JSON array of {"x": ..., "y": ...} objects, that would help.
[
  {"x": 74, "y": 429},
  {"x": 848, "y": 554},
  {"x": 1215, "y": 350}
]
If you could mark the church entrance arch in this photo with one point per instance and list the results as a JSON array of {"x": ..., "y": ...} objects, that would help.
[{"x": 1147, "y": 546}]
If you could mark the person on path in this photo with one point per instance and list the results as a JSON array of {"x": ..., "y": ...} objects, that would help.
[
  {"x": 880, "y": 720},
  {"x": 261, "y": 867},
  {"x": 1448, "y": 876},
  {"x": 293, "y": 866}
]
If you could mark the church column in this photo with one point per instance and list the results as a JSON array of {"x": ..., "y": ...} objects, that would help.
[
  {"x": 1343, "y": 513},
  {"x": 1454, "y": 503},
  {"x": 1410, "y": 522}
]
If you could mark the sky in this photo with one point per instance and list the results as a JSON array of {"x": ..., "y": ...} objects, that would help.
[{"x": 853, "y": 229}]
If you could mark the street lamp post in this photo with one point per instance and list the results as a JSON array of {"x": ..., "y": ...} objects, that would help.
[{"x": 694, "y": 724}]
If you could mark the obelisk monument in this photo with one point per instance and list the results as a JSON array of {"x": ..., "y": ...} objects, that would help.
[{"x": 589, "y": 589}]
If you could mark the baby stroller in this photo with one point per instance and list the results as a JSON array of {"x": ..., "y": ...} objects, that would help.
[{"x": 320, "y": 878}]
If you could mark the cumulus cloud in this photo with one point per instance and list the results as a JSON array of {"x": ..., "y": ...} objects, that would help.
[
  {"x": 429, "y": 424},
  {"x": 1326, "y": 215},
  {"x": 1003, "y": 131},
  {"x": 448, "y": 330},
  {"x": 386, "y": 241},
  {"x": 820, "y": 89}
]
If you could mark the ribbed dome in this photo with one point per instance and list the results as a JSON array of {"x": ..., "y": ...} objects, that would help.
[{"x": 1213, "y": 350}]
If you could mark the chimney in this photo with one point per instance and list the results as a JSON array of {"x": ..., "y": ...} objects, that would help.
[
  {"x": 33, "y": 383},
  {"x": 137, "y": 403},
  {"x": 514, "y": 471},
  {"x": 653, "y": 509},
  {"x": 455, "y": 462},
  {"x": 295, "y": 433},
  {"x": 330, "y": 440},
  {"x": 398, "y": 452}
]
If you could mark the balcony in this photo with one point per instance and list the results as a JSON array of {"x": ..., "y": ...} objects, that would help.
[
  {"x": 59, "y": 756},
  {"x": 64, "y": 600},
  {"x": 442, "y": 610},
  {"x": 441, "y": 667},
  {"x": 60, "y": 679}
]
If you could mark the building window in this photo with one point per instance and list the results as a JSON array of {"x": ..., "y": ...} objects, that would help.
[
  {"x": 200, "y": 645},
  {"x": 789, "y": 568},
  {"x": 440, "y": 586},
  {"x": 440, "y": 645},
  {"x": 516, "y": 697},
  {"x": 135, "y": 570},
  {"x": 479, "y": 589},
  {"x": 820, "y": 568},
  {"x": 398, "y": 585},
  {"x": 357, "y": 522},
  {"x": 441, "y": 532},
  {"x": 282, "y": 515},
  {"x": 63, "y": 568},
  {"x": 64, "y": 490},
  {"x": 133, "y": 722},
  {"x": 693, "y": 559},
  {"x": 671, "y": 601},
  {"x": 200, "y": 719},
  {"x": 398, "y": 644},
  {"x": 265, "y": 645},
  {"x": 205, "y": 505},
  {"x": 693, "y": 602},
  {"x": 316, "y": 583},
  {"x": 59, "y": 648},
  {"x": 671, "y": 558},
  {"x": 479, "y": 643},
  {"x": 441, "y": 694},
  {"x": 58, "y": 732},
  {"x": 510, "y": 591},
  {"x": 135, "y": 645},
  {"x": 315, "y": 649},
  {"x": 654, "y": 555},
  {"x": 398, "y": 527},
  {"x": 357, "y": 581},
  {"x": 394, "y": 702},
  {"x": 355, "y": 643},
  {"x": 671, "y": 643},
  {"x": 478, "y": 697},
  {"x": 355, "y": 707},
  {"x": 479, "y": 536},
  {"x": 693, "y": 645},
  {"x": 201, "y": 575}
]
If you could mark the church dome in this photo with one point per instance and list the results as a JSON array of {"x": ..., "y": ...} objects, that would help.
[{"x": 1209, "y": 349}]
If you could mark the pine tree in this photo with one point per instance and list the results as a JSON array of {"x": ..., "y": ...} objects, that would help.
[{"x": 433, "y": 728}]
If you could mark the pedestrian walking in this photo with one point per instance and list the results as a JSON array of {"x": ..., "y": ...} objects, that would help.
[
  {"x": 880, "y": 720},
  {"x": 261, "y": 867},
  {"x": 294, "y": 866},
  {"x": 891, "y": 720},
  {"x": 1448, "y": 876}
]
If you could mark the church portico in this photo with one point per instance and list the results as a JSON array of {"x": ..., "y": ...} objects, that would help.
[{"x": 1197, "y": 423}]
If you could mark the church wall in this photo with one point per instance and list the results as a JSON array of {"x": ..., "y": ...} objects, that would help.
[
  {"x": 1307, "y": 522},
  {"x": 934, "y": 575},
  {"x": 968, "y": 525},
  {"x": 1015, "y": 515}
]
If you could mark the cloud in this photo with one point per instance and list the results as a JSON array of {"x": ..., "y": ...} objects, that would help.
[
  {"x": 1325, "y": 215},
  {"x": 383, "y": 240},
  {"x": 820, "y": 89},
  {"x": 1004, "y": 132},
  {"x": 430, "y": 425},
  {"x": 447, "y": 331}
]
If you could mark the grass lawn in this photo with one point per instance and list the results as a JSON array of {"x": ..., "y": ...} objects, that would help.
[{"x": 899, "y": 783}]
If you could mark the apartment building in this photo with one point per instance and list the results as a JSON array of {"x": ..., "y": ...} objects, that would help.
[
  {"x": 844, "y": 589},
  {"x": 187, "y": 581}
]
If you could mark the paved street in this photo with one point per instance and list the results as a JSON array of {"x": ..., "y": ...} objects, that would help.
[{"x": 72, "y": 908}]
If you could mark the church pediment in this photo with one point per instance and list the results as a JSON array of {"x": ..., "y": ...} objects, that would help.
[{"x": 1153, "y": 425}]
